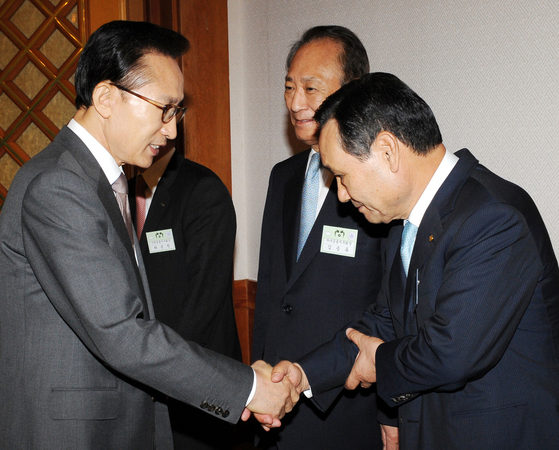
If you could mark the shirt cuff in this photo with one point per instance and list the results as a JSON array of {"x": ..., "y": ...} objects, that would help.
[{"x": 253, "y": 390}]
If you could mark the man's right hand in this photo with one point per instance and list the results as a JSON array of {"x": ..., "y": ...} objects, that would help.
[
  {"x": 390, "y": 437},
  {"x": 273, "y": 399},
  {"x": 293, "y": 372}
]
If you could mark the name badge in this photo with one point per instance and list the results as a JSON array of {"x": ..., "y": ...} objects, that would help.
[
  {"x": 339, "y": 241},
  {"x": 160, "y": 241}
]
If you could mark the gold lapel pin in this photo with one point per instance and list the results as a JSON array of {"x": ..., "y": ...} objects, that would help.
[{"x": 431, "y": 238}]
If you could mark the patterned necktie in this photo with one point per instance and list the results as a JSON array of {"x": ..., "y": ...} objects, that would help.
[
  {"x": 310, "y": 200},
  {"x": 120, "y": 187},
  {"x": 141, "y": 188},
  {"x": 406, "y": 247}
]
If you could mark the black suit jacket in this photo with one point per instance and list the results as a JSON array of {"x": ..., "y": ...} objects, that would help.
[
  {"x": 192, "y": 286},
  {"x": 301, "y": 304},
  {"x": 472, "y": 358}
]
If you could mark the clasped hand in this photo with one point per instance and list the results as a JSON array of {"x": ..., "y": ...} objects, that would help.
[
  {"x": 277, "y": 392},
  {"x": 274, "y": 397},
  {"x": 278, "y": 389}
]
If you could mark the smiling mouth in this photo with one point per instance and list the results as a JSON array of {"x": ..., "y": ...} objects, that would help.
[{"x": 303, "y": 121}]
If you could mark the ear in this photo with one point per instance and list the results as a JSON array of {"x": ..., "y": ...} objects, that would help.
[
  {"x": 388, "y": 150},
  {"x": 102, "y": 99}
]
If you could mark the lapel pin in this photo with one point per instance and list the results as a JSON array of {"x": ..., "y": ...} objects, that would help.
[{"x": 431, "y": 238}]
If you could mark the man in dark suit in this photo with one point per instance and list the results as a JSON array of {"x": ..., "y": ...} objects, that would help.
[
  {"x": 83, "y": 362},
  {"x": 303, "y": 299},
  {"x": 465, "y": 331},
  {"x": 189, "y": 271}
]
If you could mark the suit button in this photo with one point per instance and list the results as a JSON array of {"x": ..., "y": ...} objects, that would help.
[
  {"x": 287, "y": 309},
  {"x": 211, "y": 408},
  {"x": 218, "y": 410},
  {"x": 204, "y": 405},
  {"x": 225, "y": 413}
]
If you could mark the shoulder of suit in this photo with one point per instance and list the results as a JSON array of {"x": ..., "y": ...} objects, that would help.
[
  {"x": 196, "y": 169},
  {"x": 191, "y": 174},
  {"x": 291, "y": 163},
  {"x": 53, "y": 155}
]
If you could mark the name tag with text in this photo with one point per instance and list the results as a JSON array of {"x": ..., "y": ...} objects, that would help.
[
  {"x": 339, "y": 241},
  {"x": 160, "y": 241}
]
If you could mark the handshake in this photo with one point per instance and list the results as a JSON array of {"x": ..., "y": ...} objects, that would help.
[{"x": 278, "y": 388}]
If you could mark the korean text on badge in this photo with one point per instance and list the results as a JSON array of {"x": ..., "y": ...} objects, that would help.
[
  {"x": 339, "y": 241},
  {"x": 160, "y": 241}
]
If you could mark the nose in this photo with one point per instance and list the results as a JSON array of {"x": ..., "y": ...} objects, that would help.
[
  {"x": 298, "y": 101},
  {"x": 343, "y": 195},
  {"x": 169, "y": 129}
]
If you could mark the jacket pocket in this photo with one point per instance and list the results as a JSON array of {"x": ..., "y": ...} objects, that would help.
[{"x": 83, "y": 404}]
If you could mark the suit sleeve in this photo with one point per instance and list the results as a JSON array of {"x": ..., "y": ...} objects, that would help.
[
  {"x": 328, "y": 366},
  {"x": 209, "y": 228},
  {"x": 480, "y": 289},
  {"x": 85, "y": 271}
]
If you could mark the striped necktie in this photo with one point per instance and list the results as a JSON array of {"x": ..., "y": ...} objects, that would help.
[
  {"x": 406, "y": 247},
  {"x": 120, "y": 188},
  {"x": 309, "y": 202}
]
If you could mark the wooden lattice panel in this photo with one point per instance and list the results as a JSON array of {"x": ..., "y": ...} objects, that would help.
[{"x": 40, "y": 43}]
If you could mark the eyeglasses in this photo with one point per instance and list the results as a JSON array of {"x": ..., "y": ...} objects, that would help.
[{"x": 169, "y": 110}]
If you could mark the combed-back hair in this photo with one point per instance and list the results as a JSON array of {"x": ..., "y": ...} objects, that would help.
[
  {"x": 353, "y": 56},
  {"x": 380, "y": 102},
  {"x": 114, "y": 53}
]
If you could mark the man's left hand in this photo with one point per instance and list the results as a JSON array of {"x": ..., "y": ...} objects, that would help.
[{"x": 364, "y": 371}]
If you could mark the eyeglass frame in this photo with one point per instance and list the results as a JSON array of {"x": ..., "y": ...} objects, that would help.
[{"x": 179, "y": 110}]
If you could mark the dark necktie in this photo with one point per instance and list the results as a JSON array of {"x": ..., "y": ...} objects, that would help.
[{"x": 120, "y": 187}]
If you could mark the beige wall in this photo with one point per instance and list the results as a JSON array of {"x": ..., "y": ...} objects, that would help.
[{"x": 489, "y": 70}]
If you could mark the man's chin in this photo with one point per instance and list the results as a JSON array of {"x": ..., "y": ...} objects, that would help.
[
  {"x": 371, "y": 216},
  {"x": 308, "y": 141},
  {"x": 145, "y": 163}
]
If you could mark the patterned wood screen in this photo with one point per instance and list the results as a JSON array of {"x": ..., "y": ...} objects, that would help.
[{"x": 40, "y": 43}]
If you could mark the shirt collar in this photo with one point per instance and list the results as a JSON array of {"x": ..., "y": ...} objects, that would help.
[
  {"x": 445, "y": 167},
  {"x": 101, "y": 154}
]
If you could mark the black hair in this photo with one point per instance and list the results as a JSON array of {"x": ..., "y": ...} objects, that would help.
[
  {"x": 353, "y": 56},
  {"x": 380, "y": 102},
  {"x": 114, "y": 53}
]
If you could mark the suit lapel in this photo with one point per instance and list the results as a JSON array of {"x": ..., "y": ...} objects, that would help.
[
  {"x": 291, "y": 214},
  {"x": 432, "y": 224},
  {"x": 328, "y": 215},
  {"x": 93, "y": 170},
  {"x": 395, "y": 285},
  {"x": 442, "y": 204},
  {"x": 162, "y": 197}
]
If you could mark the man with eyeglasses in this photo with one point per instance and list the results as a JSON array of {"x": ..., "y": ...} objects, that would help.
[
  {"x": 191, "y": 275},
  {"x": 83, "y": 361}
]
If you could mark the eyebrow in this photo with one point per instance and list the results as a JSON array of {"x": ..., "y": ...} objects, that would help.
[
  {"x": 173, "y": 101},
  {"x": 327, "y": 167},
  {"x": 305, "y": 79}
]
